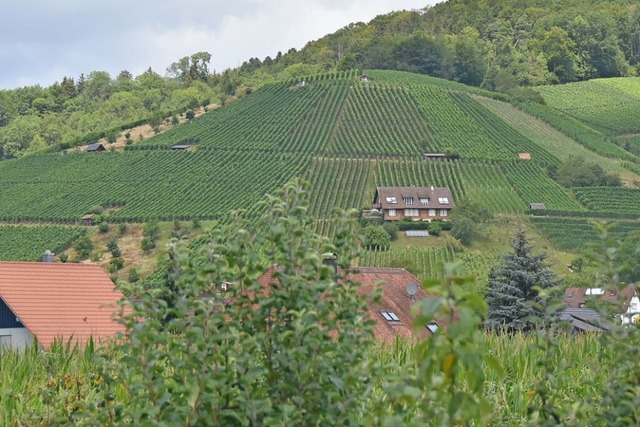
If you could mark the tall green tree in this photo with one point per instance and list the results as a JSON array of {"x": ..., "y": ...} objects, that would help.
[{"x": 510, "y": 290}]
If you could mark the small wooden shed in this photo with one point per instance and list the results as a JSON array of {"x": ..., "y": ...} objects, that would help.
[
  {"x": 87, "y": 219},
  {"x": 537, "y": 206},
  {"x": 95, "y": 147}
]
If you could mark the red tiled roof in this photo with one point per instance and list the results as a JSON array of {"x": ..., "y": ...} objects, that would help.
[
  {"x": 577, "y": 297},
  {"x": 55, "y": 300},
  {"x": 393, "y": 282}
]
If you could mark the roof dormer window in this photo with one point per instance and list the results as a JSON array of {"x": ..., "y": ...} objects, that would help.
[{"x": 390, "y": 316}]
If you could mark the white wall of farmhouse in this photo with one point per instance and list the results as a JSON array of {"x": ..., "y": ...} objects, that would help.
[{"x": 19, "y": 338}]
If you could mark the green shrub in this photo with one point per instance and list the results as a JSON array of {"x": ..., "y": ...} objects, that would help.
[
  {"x": 83, "y": 246},
  {"x": 435, "y": 228},
  {"x": 391, "y": 229},
  {"x": 133, "y": 275},
  {"x": 116, "y": 264},
  {"x": 375, "y": 237},
  {"x": 147, "y": 244}
]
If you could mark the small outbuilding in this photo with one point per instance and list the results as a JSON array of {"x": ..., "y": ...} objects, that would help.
[
  {"x": 537, "y": 206},
  {"x": 87, "y": 220},
  {"x": 95, "y": 147},
  {"x": 524, "y": 156},
  {"x": 180, "y": 147},
  {"x": 434, "y": 155},
  {"x": 364, "y": 78}
]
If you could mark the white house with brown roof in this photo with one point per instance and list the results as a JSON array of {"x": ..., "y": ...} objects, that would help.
[
  {"x": 415, "y": 203},
  {"x": 625, "y": 300},
  {"x": 50, "y": 301}
]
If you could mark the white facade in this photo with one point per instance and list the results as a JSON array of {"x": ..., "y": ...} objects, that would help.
[
  {"x": 633, "y": 311},
  {"x": 19, "y": 338}
]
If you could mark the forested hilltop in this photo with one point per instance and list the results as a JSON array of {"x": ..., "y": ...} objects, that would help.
[{"x": 496, "y": 44}]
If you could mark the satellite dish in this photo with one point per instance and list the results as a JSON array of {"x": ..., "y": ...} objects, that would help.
[{"x": 412, "y": 289}]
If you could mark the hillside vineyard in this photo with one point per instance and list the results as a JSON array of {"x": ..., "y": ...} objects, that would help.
[{"x": 347, "y": 136}]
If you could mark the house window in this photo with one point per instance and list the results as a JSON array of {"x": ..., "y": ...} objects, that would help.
[
  {"x": 389, "y": 316},
  {"x": 424, "y": 201},
  {"x": 408, "y": 200},
  {"x": 432, "y": 212},
  {"x": 411, "y": 212},
  {"x": 444, "y": 212},
  {"x": 432, "y": 327},
  {"x": 392, "y": 200},
  {"x": 443, "y": 200},
  {"x": 392, "y": 212}
]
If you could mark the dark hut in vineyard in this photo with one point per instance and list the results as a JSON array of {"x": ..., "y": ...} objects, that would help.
[
  {"x": 87, "y": 219},
  {"x": 95, "y": 147}
]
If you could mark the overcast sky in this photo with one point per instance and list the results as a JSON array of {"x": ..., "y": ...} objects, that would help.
[{"x": 43, "y": 40}]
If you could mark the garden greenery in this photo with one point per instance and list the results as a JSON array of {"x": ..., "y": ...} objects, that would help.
[{"x": 303, "y": 353}]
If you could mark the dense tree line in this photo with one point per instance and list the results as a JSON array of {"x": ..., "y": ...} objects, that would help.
[{"x": 494, "y": 43}]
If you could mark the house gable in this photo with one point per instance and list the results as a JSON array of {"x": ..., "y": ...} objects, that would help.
[
  {"x": 8, "y": 318},
  {"x": 60, "y": 301}
]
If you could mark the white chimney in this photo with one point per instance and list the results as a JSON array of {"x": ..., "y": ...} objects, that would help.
[
  {"x": 432, "y": 188},
  {"x": 48, "y": 256}
]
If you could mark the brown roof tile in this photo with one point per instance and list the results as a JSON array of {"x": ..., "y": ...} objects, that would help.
[
  {"x": 393, "y": 282},
  {"x": 577, "y": 297},
  {"x": 54, "y": 300},
  {"x": 416, "y": 193}
]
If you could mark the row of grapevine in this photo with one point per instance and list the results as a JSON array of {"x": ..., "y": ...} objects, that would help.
[
  {"x": 338, "y": 75},
  {"x": 412, "y": 80},
  {"x": 611, "y": 106},
  {"x": 500, "y": 132},
  {"x": 379, "y": 120},
  {"x": 28, "y": 243},
  {"x": 315, "y": 127},
  {"x": 266, "y": 119},
  {"x": 610, "y": 199},
  {"x": 574, "y": 234},
  {"x": 452, "y": 128},
  {"x": 553, "y": 140},
  {"x": 534, "y": 186},
  {"x": 424, "y": 263},
  {"x": 337, "y": 183},
  {"x": 580, "y": 132},
  {"x": 147, "y": 184},
  {"x": 483, "y": 182}
]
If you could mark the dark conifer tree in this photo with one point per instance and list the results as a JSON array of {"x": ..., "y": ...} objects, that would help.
[{"x": 510, "y": 288}]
